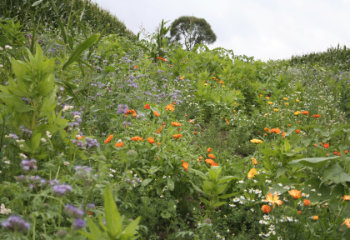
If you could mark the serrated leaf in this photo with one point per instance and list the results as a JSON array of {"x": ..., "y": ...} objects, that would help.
[{"x": 81, "y": 48}]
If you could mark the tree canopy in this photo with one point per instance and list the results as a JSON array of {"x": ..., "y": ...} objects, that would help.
[{"x": 193, "y": 30}]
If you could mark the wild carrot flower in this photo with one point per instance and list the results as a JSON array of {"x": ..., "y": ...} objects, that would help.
[
  {"x": 156, "y": 113},
  {"x": 252, "y": 172},
  {"x": 176, "y": 124},
  {"x": 170, "y": 107},
  {"x": 266, "y": 208},
  {"x": 185, "y": 166},
  {"x": 109, "y": 138},
  {"x": 151, "y": 140},
  {"x": 295, "y": 193}
]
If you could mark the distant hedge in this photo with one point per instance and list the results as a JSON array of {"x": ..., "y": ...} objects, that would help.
[{"x": 80, "y": 13}]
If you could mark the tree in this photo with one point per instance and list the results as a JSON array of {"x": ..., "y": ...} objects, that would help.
[{"x": 193, "y": 30}]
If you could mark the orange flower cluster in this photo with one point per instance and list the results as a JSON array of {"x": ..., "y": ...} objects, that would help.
[
  {"x": 275, "y": 130},
  {"x": 132, "y": 111},
  {"x": 211, "y": 156},
  {"x": 177, "y": 136},
  {"x": 108, "y": 139},
  {"x": 119, "y": 144},
  {"x": 176, "y": 124},
  {"x": 305, "y": 112},
  {"x": 137, "y": 138},
  {"x": 151, "y": 140},
  {"x": 170, "y": 107}
]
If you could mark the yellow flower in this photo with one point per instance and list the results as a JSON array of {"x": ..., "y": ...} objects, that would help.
[
  {"x": 254, "y": 161},
  {"x": 269, "y": 102},
  {"x": 297, "y": 113},
  {"x": 274, "y": 199},
  {"x": 285, "y": 99},
  {"x": 296, "y": 194},
  {"x": 256, "y": 141},
  {"x": 252, "y": 172},
  {"x": 297, "y": 100},
  {"x": 275, "y": 109}
]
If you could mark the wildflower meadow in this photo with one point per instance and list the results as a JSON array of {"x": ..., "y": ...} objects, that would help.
[{"x": 108, "y": 135}]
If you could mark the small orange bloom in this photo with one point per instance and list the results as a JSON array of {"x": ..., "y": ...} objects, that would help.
[
  {"x": 296, "y": 194},
  {"x": 339, "y": 154},
  {"x": 209, "y": 161},
  {"x": 275, "y": 130},
  {"x": 289, "y": 125},
  {"x": 156, "y": 113},
  {"x": 211, "y": 156},
  {"x": 135, "y": 67},
  {"x": 119, "y": 144},
  {"x": 252, "y": 172},
  {"x": 346, "y": 198},
  {"x": 185, "y": 166},
  {"x": 163, "y": 59},
  {"x": 315, "y": 218},
  {"x": 267, "y": 130},
  {"x": 316, "y": 116},
  {"x": 299, "y": 212},
  {"x": 209, "y": 150},
  {"x": 305, "y": 112},
  {"x": 80, "y": 137},
  {"x": 170, "y": 107},
  {"x": 315, "y": 145},
  {"x": 176, "y": 124},
  {"x": 346, "y": 151},
  {"x": 147, "y": 106},
  {"x": 151, "y": 140},
  {"x": 195, "y": 132},
  {"x": 137, "y": 138},
  {"x": 284, "y": 134},
  {"x": 254, "y": 161},
  {"x": 177, "y": 136},
  {"x": 347, "y": 222},
  {"x": 109, "y": 138},
  {"x": 266, "y": 208},
  {"x": 297, "y": 131},
  {"x": 306, "y": 202}
]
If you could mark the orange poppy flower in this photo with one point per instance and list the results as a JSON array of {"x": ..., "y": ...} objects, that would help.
[
  {"x": 284, "y": 135},
  {"x": 209, "y": 161},
  {"x": 297, "y": 131},
  {"x": 135, "y": 67},
  {"x": 266, "y": 208},
  {"x": 326, "y": 145},
  {"x": 109, "y": 138},
  {"x": 209, "y": 150},
  {"x": 119, "y": 144},
  {"x": 315, "y": 218},
  {"x": 177, "y": 136},
  {"x": 273, "y": 199},
  {"x": 315, "y": 144},
  {"x": 316, "y": 116},
  {"x": 185, "y": 166},
  {"x": 195, "y": 132},
  {"x": 305, "y": 112},
  {"x": 346, "y": 151},
  {"x": 170, "y": 107},
  {"x": 267, "y": 130},
  {"x": 147, "y": 106},
  {"x": 296, "y": 194},
  {"x": 306, "y": 202},
  {"x": 136, "y": 138},
  {"x": 156, "y": 113},
  {"x": 176, "y": 124},
  {"x": 151, "y": 140},
  {"x": 162, "y": 59},
  {"x": 211, "y": 156}
]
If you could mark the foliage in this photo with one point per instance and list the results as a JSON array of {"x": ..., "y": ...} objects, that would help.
[{"x": 193, "y": 30}]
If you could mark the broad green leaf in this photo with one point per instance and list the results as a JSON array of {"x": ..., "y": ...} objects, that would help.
[
  {"x": 146, "y": 182},
  {"x": 36, "y": 141},
  {"x": 113, "y": 219},
  {"x": 312, "y": 161},
  {"x": 336, "y": 174},
  {"x": 130, "y": 230},
  {"x": 229, "y": 195},
  {"x": 225, "y": 179},
  {"x": 81, "y": 48},
  {"x": 218, "y": 204},
  {"x": 170, "y": 184}
]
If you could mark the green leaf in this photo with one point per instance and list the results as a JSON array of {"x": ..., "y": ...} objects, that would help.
[
  {"x": 113, "y": 219},
  {"x": 171, "y": 184},
  {"x": 218, "y": 204},
  {"x": 81, "y": 48},
  {"x": 312, "y": 161},
  {"x": 146, "y": 182},
  {"x": 225, "y": 179},
  {"x": 229, "y": 195},
  {"x": 37, "y": 3},
  {"x": 130, "y": 230},
  {"x": 36, "y": 141},
  {"x": 336, "y": 174}
]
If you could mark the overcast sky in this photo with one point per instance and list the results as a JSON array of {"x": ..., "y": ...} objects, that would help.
[{"x": 265, "y": 29}]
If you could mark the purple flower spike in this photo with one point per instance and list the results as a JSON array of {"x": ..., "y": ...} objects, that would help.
[{"x": 16, "y": 223}]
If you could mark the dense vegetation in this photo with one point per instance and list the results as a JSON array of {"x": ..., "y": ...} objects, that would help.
[{"x": 104, "y": 136}]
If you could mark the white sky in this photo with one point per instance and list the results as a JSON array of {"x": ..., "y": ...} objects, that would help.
[{"x": 265, "y": 29}]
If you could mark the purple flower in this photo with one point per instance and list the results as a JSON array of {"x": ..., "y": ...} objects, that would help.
[
  {"x": 122, "y": 108},
  {"x": 90, "y": 142},
  {"x": 90, "y": 206},
  {"x": 79, "y": 223},
  {"x": 16, "y": 223},
  {"x": 29, "y": 164},
  {"x": 73, "y": 212},
  {"x": 62, "y": 189},
  {"x": 83, "y": 169}
]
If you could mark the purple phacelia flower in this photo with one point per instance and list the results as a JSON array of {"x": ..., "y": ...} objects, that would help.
[
  {"x": 122, "y": 108},
  {"x": 16, "y": 223},
  {"x": 29, "y": 164},
  {"x": 62, "y": 189},
  {"x": 73, "y": 212},
  {"x": 79, "y": 223}
]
